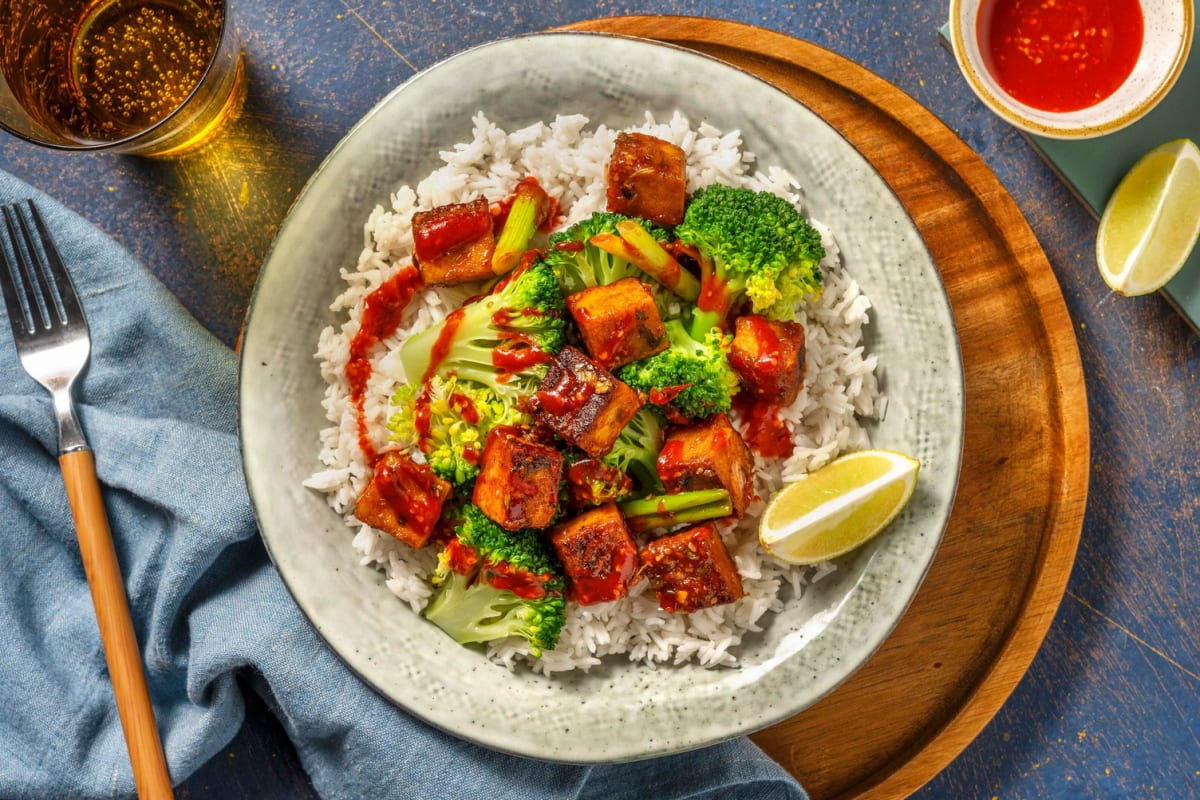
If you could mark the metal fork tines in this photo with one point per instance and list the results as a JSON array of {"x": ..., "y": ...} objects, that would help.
[{"x": 47, "y": 320}]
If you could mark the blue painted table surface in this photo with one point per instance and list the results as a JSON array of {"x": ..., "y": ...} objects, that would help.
[{"x": 1110, "y": 707}]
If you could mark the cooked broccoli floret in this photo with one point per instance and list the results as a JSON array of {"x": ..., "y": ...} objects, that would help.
[
  {"x": 448, "y": 420},
  {"x": 635, "y": 452},
  {"x": 754, "y": 245},
  {"x": 639, "y": 247},
  {"x": 503, "y": 340},
  {"x": 493, "y": 583},
  {"x": 693, "y": 377},
  {"x": 588, "y": 483},
  {"x": 668, "y": 510},
  {"x": 580, "y": 264}
]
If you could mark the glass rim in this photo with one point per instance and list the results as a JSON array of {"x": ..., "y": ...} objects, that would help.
[{"x": 223, "y": 6}]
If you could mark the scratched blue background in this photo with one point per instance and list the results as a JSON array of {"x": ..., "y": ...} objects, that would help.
[{"x": 1111, "y": 705}]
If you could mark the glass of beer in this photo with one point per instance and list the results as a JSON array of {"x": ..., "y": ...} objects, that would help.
[{"x": 145, "y": 77}]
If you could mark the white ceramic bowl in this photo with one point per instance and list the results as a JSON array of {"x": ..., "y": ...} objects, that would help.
[
  {"x": 617, "y": 711},
  {"x": 1168, "y": 38}
]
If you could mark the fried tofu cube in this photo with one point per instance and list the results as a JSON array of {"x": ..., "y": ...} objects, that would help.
[
  {"x": 597, "y": 553},
  {"x": 518, "y": 480},
  {"x": 619, "y": 322},
  {"x": 583, "y": 403},
  {"x": 708, "y": 455},
  {"x": 691, "y": 570},
  {"x": 454, "y": 243},
  {"x": 647, "y": 178},
  {"x": 768, "y": 355},
  {"x": 403, "y": 498}
]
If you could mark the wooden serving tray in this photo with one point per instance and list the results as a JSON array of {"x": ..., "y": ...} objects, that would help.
[{"x": 996, "y": 582}]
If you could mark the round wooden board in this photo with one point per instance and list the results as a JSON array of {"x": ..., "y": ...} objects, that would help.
[{"x": 996, "y": 582}]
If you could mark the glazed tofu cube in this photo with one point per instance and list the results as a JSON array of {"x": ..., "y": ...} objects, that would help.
[
  {"x": 403, "y": 498},
  {"x": 597, "y": 554},
  {"x": 619, "y": 323},
  {"x": 647, "y": 178},
  {"x": 518, "y": 480},
  {"x": 454, "y": 243},
  {"x": 583, "y": 403},
  {"x": 769, "y": 357},
  {"x": 691, "y": 570},
  {"x": 709, "y": 455}
]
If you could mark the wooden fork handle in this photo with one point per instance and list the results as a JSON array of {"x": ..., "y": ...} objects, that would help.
[{"x": 116, "y": 626}]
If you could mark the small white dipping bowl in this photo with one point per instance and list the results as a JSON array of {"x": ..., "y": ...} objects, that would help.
[{"x": 1167, "y": 40}]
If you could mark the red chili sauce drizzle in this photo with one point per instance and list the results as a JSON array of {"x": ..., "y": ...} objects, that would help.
[
  {"x": 382, "y": 311},
  {"x": 766, "y": 432},
  {"x": 664, "y": 395},
  {"x": 682, "y": 250},
  {"x": 421, "y": 418},
  {"x": 591, "y": 482},
  {"x": 503, "y": 316},
  {"x": 461, "y": 558},
  {"x": 714, "y": 296},
  {"x": 422, "y": 413},
  {"x": 612, "y": 584},
  {"x": 517, "y": 351},
  {"x": 441, "y": 347},
  {"x": 1061, "y": 55},
  {"x": 670, "y": 462},
  {"x": 522, "y": 583},
  {"x": 567, "y": 395},
  {"x": 411, "y": 490},
  {"x": 437, "y": 353},
  {"x": 470, "y": 414},
  {"x": 465, "y": 408}
]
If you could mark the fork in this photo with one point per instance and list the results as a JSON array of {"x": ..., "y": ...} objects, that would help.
[{"x": 53, "y": 345}]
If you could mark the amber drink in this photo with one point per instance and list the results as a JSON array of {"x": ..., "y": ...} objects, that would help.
[{"x": 151, "y": 77}]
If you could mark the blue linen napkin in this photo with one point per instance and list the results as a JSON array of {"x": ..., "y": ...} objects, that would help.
[{"x": 159, "y": 407}]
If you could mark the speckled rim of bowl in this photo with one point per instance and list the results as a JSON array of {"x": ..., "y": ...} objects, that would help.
[
  {"x": 1120, "y": 110},
  {"x": 806, "y": 650}
]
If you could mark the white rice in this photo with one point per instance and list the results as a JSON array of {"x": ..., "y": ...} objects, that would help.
[{"x": 569, "y": 161}]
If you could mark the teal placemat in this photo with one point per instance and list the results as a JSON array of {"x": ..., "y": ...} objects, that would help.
[{"x": 1092, "y": 168}]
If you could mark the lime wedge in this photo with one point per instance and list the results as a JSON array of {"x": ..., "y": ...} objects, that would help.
[
  {"x": 839, "y": 507},
  {"x": 1152, "y": 220}
]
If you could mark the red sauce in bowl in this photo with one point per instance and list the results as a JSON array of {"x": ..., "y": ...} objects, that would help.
[
  {"x": 1061, "y": 55},
  {"x": 382, "y": 311}
]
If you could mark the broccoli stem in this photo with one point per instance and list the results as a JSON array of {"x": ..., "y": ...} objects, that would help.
[
  {"x": 718, "y": 291},
  {"x": 639, "y": 248},
  {"x": 529, "y": 210},
  {"x": 704, "y": 321},
  {"x": 670, "y": 503},
  {"x": 673, "y": 509},
  {"x": 652, "y": 257},
  {"x": 717, "y": 296}
]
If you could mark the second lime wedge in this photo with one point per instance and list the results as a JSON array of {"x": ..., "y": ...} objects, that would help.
[{"x": 1152, "y": 220}]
